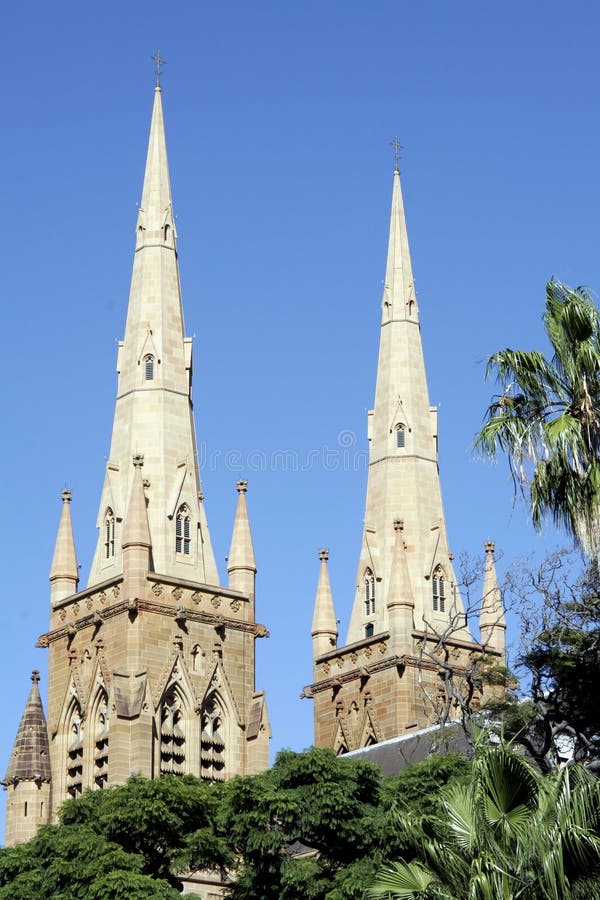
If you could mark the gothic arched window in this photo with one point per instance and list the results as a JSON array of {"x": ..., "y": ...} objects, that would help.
[
  {"x": 400, "y": 436},
  {"x": 369, "y": 592},
  {"x": 172, "y": 734},
  {"x": 149, "y": 367},
  {"x": 212, "y": 741},
  {"x": 109, "y": 533},
  {"x": 438, "y": 590},
  {"x": 183, "y": 531}
]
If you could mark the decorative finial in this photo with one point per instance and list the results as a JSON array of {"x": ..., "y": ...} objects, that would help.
[
  {"x": 398, "y": 524},
  {"x": 159, "y": 61},
  {"x": 65, "y": 495},
  {"x": 242, "y": 486},
  {"x": 489, "y": 546},
  {"x": 138, "y": 460},
  {"x": 323, "y": 554},
  {"x": 35, "y": 676},
  {"x": 397, "y": 148}
]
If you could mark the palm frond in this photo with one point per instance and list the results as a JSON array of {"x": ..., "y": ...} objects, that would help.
[{"x": 407, "y": 880}]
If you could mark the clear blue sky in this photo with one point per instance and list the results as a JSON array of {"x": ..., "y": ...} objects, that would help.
[{"x": 278, "y": 120}]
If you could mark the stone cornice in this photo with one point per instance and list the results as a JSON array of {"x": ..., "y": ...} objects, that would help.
[
  {"x": 353, "y": 648},
  {"x": 336, "y": 681},
  {"x": 134, "y": 606},
  {"x": 473, "y": 646},
  {"x": 89, "y": 591}
]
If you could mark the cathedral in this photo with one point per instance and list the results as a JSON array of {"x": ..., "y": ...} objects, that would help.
[
  {"x": 152, "y": 664},
  {"x": 409, "y": 654}
]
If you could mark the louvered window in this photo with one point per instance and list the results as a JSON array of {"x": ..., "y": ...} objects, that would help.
[
  {"x": 400, "y": 436},
  {"x": 101, "y": 744},
  {"x": 369, "y": 593},
  {"x": 75, "y": 754},
  {"x": 212, "y": 741},
  {"x": 149, "y": 368},
  {"x": 183, "y": 532},
  {"x": 109, "y": 534},
  {"x": 172, "y": 735},
  {"x": 438, "y": 590}
]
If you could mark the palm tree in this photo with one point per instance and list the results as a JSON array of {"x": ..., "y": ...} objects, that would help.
[
  {"x": 508, "y": 833},
  {"x": 547, "y": 416}
]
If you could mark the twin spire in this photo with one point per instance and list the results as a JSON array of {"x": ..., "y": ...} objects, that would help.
[
  {"x": 152, "y": 483},
  {"x": 405, "y": 579}
]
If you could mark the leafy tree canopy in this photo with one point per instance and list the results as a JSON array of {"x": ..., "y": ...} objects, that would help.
[{"x": 314, "y": 826}]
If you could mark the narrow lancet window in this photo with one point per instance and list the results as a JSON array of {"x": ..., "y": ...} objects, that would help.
[
  {"x": 369, "y": 593},
  {"x": 109, "y": 534},
  {"x": 400, "y": 436},
  {"x": 183, "y": 532},
  {"x": 438, "y": 590},
  {"x": 149, "y": 368}
]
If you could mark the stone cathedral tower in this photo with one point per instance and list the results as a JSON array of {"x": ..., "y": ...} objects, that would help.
[
  {"x": 151, "y": 666},
  {"x": 386, "y": 680}
]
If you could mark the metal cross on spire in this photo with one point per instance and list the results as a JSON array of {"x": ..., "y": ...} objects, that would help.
[
  {"x": 397, "y": 148},
  {"x": 159, "y": 61}
]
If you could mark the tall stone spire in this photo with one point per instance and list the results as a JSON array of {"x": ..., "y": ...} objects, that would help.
[
  {"x": 64, "y": 571},
  {"x": 153, "y": 413},
  {"x": 403, "y": 480},
  {"x": 151, "y": 667},
  {"x": 324, "y": 629},
  {"x": 241, "y": 563}
]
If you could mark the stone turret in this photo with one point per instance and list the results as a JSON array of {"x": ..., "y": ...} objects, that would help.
[
  {"x": 241, "y": 563},
  {"x": 324, "y": 629},
  {"x": 400, "y": 601},
  {"x": 492, "y": 620},
  {"x": 137, "y": 544},
  {"x": 28, "y": 777},
  {"x": 64, "y": 572}
]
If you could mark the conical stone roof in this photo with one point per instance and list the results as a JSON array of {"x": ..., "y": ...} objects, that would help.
[{"x": 30, "y": 757}]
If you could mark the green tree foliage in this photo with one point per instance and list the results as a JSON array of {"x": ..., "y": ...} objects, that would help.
[
  {"x": 547, "y": 416},
  {"x": 169, "y": 822},
  {"x": 68, "y": 862},
  {"x": 506, "y": 831},
  {"x": 130, "y": 841},
  {"x": 318, "y": 826},
  {"x": 315, "y": 826}
]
